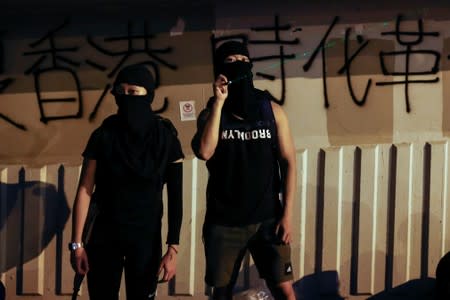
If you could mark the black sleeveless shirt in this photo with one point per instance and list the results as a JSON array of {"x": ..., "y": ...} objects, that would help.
[{"x": 244, "y": 182}]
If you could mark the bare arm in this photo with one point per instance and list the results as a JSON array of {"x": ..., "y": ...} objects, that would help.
[
  {"x": 209, "y": 135},
  {"x": 80, "y": 211},
  {"x": 82, "y": 199},
  {"x": 288, "y": 169}
]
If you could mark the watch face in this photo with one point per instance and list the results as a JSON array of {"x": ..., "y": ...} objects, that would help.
[{"x": 74, "y": 246}]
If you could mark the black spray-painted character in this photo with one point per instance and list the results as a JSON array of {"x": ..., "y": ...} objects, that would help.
[
  {"x": 322, "y": 48},
  {"x": 5, "y": 83},
  {"x": 348, "y": 60},
  {"x": 276, "y": 28},
  {"x": 58, "y": 64},
  {"x": 420, "y": 34},
  {"x": 347, "y": 65},
  {"x": 132, "y": 40}
]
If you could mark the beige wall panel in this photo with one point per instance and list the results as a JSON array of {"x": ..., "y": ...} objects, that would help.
[
  {"x": 199, "y": 189},
  {"x": 369, "y": 156},
  {"x": 3, "y": 228},
  {"x": 33, "y": 218},
  {"x": 298, "y": 217},
  {"x": 437, "y": 205},
  {"x": 416, "y": 211},
  {"x": 309, "y": 195},
  {"x": 67, "y": 182},
  {"x": 380, "y": 230},
  {"x": 402, "y": 211},
  {"x": 345, "y": 229},
  {"x": 332, "y": 204},
  {"x": 349, "y": 123},
  {"x": 12, "y": 224}
]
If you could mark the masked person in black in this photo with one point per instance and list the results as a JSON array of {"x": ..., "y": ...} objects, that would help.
[
  {"x": 246, "y": 142},
  {"x": 128, "y": 159}
]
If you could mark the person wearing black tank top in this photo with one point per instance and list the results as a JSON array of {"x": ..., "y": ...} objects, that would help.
[
  {"x": 127, "y": 161},
  {"x": 250, "y": 155}
]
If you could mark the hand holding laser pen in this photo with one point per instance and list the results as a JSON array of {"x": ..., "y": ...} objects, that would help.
[{"x": 220, "y": 87}]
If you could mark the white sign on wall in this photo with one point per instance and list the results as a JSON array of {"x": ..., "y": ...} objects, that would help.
[{"x": 187, "y": 110}]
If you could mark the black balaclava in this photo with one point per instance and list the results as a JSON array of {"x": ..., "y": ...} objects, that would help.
[
  {"x": 241, "y": 98},
  {"x": 135, "y": 111},
  {"x": 140, "y": 144}
]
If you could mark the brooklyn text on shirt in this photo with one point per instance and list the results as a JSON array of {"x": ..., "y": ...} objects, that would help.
[{"x": 236, "y": 134}]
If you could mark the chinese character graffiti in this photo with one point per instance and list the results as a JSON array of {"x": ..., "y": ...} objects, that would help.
[
  {"x": 58, "y": 65},
  {"x": 322, "y": 48},
  {"x": 281, "y": 56},
  {"x": 50, "y": 59},
  {"x": 5, "y": 83},
  {"x": 419, "y": 34},
  {"x": 347, "y": 65},
  {"x": 130, "y": 50}
]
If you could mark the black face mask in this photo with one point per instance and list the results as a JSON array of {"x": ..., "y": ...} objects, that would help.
[
  {"x": 135, "y": 114},
  {"x": 139, "y": 142},
  {"x": 241, "y": 98},
  {"x": 237, "y": 70}
]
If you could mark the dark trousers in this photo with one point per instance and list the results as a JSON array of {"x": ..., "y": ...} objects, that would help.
[{"x": 138, "y": 255}]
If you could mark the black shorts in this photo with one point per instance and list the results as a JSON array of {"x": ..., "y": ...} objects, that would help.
[{"x": 225, "y": 247}]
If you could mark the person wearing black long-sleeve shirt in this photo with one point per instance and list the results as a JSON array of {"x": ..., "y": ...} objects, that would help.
[{"x": 127, "y": 161}]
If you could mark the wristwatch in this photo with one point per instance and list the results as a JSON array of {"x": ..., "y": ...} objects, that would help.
[{"x": 74, "y": 246}]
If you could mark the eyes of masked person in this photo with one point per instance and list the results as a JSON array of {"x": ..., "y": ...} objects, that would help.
[
  {"x": 236, "y": 57},
  {"x": 129, "y": 89}
]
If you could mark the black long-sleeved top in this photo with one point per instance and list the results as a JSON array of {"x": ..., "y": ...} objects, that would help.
[{"x": 128, "y": 202}]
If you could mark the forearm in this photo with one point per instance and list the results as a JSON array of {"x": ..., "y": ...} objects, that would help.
[
  {"x": 289, "y": 186},
  {"x": 83, "y": 199},
  {"x": 80, "y": 211},
  {"x": 287, "y": 160},
  {"x": 210, "y": 134}
]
